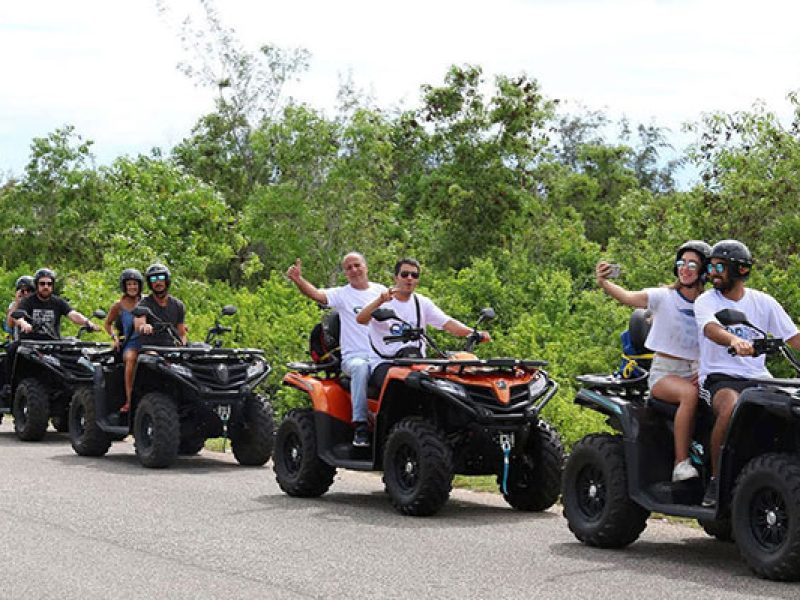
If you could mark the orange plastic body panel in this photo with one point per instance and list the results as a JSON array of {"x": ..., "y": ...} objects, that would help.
[{"x": 326, "y": 395}]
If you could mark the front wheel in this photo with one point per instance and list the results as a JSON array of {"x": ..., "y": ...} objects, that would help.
[
  {"x": 86, "y": 436},
  {"x": 156, "y": 431},
  {"x": 252, "y": 440},
  {"x": 417, "y": 468},
  {"x": 534, "y": 476},
  {"x": 298, "y": 469},
  {"x": 766, "y": 516},
  {"x": 31, "y": 410},
  {"x": 595, "y": 494}
]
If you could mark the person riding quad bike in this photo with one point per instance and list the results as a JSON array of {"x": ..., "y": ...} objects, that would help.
[
  {"x": 432, "y": 418},
  {"x": 182, "y": 394}
]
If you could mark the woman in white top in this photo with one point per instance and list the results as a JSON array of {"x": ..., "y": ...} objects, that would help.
[{"x": 673, "y": 338}]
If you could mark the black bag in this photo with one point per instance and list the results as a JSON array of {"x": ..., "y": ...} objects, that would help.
[{"x": 323, "y": 343}]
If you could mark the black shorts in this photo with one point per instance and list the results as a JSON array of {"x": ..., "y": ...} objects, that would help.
[{"x": 717, "y": 381}]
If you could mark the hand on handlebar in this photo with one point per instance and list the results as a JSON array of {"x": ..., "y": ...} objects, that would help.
[
  {"x": 24, "y": 326},
  {"x": 146, "y": 329},
  {"x": 740, "y": 347}
]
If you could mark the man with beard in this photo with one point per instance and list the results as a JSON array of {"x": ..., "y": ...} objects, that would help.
[
  {"x": 723, "y": 376},
  {"x": 165, "y": 310},
  {"x": 46, "y": 309}
]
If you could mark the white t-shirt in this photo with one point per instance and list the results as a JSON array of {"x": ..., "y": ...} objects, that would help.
[
  {"x": 429, "y": 314},
  {"x": 762, "y": 310},
  {"x": 674, "y": 329},
  {"x": 349, "y": 301}
]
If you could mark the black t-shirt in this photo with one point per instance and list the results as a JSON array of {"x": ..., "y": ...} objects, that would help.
[
  {"x": 174, "y": 313},
  {"x": 47, "y": 312}
]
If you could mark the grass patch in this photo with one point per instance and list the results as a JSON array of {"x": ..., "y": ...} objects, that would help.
[
  {"x": 218, "y": 444},
  {"x": 476, "y": 483}
]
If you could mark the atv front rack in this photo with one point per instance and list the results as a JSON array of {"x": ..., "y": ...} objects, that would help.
[{"x": 460, "y": 365}]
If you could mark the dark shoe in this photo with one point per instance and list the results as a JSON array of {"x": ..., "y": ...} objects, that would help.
[
  {"x": 710, "y": 497},
  {"x": 5, "y": 391},
  {"x": 361, "y": 436}
]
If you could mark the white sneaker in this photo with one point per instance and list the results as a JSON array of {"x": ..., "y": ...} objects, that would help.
[{"x": 683, "y": 471}]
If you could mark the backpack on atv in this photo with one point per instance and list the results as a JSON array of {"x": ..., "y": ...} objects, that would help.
[{"x": 323, "y": 342}]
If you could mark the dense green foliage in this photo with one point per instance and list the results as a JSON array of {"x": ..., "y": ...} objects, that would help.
[{"x": 506, "y": 201}]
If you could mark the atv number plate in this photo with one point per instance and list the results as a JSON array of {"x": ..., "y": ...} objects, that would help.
[
  {"x": 224, "y": 412},
  {"x": 506, "y": 440}
]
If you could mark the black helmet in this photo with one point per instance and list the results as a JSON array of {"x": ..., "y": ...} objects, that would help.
[
  {"x": 698, "y": 246},
  {"x": 25, "y": 282},
  {"x": 736, "y": 253},
  {"x": 43, "y": 273},
  {"x": 131, "y": 275},
  {"x": 157, "y": 269}
]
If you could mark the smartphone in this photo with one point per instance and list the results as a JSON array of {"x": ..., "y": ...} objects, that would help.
[{"x": 614, "y": 271}]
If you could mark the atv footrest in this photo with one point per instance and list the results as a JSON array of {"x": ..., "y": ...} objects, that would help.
[{"x": 688, "y": 492}]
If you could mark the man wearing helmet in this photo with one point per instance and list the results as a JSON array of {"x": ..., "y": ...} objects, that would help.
[
  {"x": 119, "y": 325},
  {"x": 46, "y": 309},
  {"x": 165, "y": 310},
  {"x": 673, "y": 338},
  {"x": 723, "y": 376}
]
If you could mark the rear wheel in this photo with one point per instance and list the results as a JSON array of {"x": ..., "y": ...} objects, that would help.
[
  {"x": 417, "y": 468},
  {"x": 298, "y": 469},
  {"x": 189, "y": 446},
  {"x": 156, "y": 430},
  {"x": 86, "y": 436},
  {"x": 766, "y": 516},
  {"x": 252, "y": 440},
  {"x": 534, "y": 477},
  {"x": 31, "y": 410},
  {"x": 595, "y": 494},
  {"x": 61, "y": 422}
]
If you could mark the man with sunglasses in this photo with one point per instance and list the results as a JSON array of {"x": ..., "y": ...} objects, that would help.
[
  {"x": 412, "y": 308},
  {"x": 348, "y": 300},
  {"x": 164, "y": 309},
  {"x": 723, "y": 376},
  {"x": 46, "y": 309}
]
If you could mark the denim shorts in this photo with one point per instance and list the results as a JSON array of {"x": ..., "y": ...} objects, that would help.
[{"x": 663, "y": 366}]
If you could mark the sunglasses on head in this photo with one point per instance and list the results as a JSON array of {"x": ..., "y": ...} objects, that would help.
[
  {"x": 413, "y": 274},
  {"x": 719, "y": 268},
  {"x": 157, "y": 278},
  {"x": 689, "y": 264},
  {"x": 45, "y": 284}
]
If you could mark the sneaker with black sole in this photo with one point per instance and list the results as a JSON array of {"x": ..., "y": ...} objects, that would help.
[
  {"x": 710, "y": 497},
  {"x": 361, "y": 436},
  {"x": 683, "y": 471}
]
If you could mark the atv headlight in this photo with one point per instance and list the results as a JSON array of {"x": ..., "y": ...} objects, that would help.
[
  {"x": 537, "y": 386},
  {"x": 51, "y": 360},
  {"x": 255, "y": 369},
  {"x": 181, "y": 370},
  {"x": 451, "y": 388}
]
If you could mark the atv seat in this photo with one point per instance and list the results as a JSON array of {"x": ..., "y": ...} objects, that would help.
[
  {"x": 704, "y": 418},
  {"x": 308, "y": 368},
  {"x": 372, "y": 390}
]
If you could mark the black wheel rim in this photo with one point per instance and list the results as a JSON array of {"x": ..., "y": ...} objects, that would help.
[
  {"x": 591, "y": 489},
  {"x": 79, "y": 420},
  {"x": 146, "y": 431},
  {"x": 22, "y": 411},
  {"x": 769, "y": 519},
  {"x": 292, "y": 453},
  {"x": 406, "y": 467}
]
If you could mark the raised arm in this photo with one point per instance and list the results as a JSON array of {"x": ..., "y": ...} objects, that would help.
[
  {"x": 295, "y": 274},
  {"x": 619, "y": 293}
]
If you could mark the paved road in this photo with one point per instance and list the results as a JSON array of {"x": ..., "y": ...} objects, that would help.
[{"x": 74, "y": 527}]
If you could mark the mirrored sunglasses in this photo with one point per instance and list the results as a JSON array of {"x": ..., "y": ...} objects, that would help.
[
  {"x": 689, "y": 264},
  {"x": 719, "y": 268},
  {"x": 161, "y": 277}
]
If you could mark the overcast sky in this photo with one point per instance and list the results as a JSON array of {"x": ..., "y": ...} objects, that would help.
[{"x": 109, "y": 67}]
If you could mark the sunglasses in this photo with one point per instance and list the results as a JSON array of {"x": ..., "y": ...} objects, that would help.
[
  {"x": 689, "y": 264},
  {"x": 413, "y": 274},
  {"x": 157, "y": 278},
  {"x": 719, "y": 268},
  {"x": 45, "y": 284}
]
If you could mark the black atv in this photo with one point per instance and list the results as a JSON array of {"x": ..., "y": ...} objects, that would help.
[
  {"x": 612, "y": 482},
  {"x": 182, "y": 395},
  {"x": 431, "y": 418},
  {"x": 45, "y": 375}
]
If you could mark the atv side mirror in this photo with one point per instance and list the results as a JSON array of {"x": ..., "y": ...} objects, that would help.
[
  {"x": 384, "y": 314},
  {"x": 99, "y": 314},
  {"x": 487, "y": 314},
  {"x": 20, "y": 314},
  {"x": 228, "y": 310},
  {"x": 731, "y": 316},
  {"x": 142, "y": 311}
]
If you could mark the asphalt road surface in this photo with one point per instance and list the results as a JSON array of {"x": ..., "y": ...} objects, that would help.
[{"x": 74, "y": 527}]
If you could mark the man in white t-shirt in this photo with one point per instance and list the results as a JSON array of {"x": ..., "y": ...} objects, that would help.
[
  {"x": 349, "y": 300},
  {"x": 413, "y": 308},
  {"x": 723, "y": 376}
]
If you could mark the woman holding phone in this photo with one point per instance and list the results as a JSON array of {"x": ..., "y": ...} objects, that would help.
[{"x": 673, "y": 339}]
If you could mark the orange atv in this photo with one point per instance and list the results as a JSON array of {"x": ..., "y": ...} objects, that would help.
[{"x": 430, "y": 419}]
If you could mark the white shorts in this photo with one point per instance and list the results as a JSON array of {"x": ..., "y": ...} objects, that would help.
[{"x": 663, "y": 366}]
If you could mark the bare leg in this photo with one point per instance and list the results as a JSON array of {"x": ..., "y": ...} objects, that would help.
[
  {"x": 722, "y": 403},
  {"x": 130, "y": 366},
  {"x": 683, "y": 392}
]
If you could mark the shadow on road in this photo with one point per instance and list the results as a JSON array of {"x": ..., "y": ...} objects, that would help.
[
  {"x": 51, "y": 438},
  {"x": 687, "y": 561},
  {"x": 361, "y": 508},
  {"x": 128, "y": 464}
]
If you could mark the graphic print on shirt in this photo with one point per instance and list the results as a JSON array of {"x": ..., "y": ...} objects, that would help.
[{"x": 44, "y": 316}]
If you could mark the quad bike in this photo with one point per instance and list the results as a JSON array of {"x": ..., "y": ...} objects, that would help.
[
  {"x": 182, "y": 395},
  {"x": 44, "y": 376},
  {"x": 613, "y": 481},
  {"x": 430, "y": 419}
]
